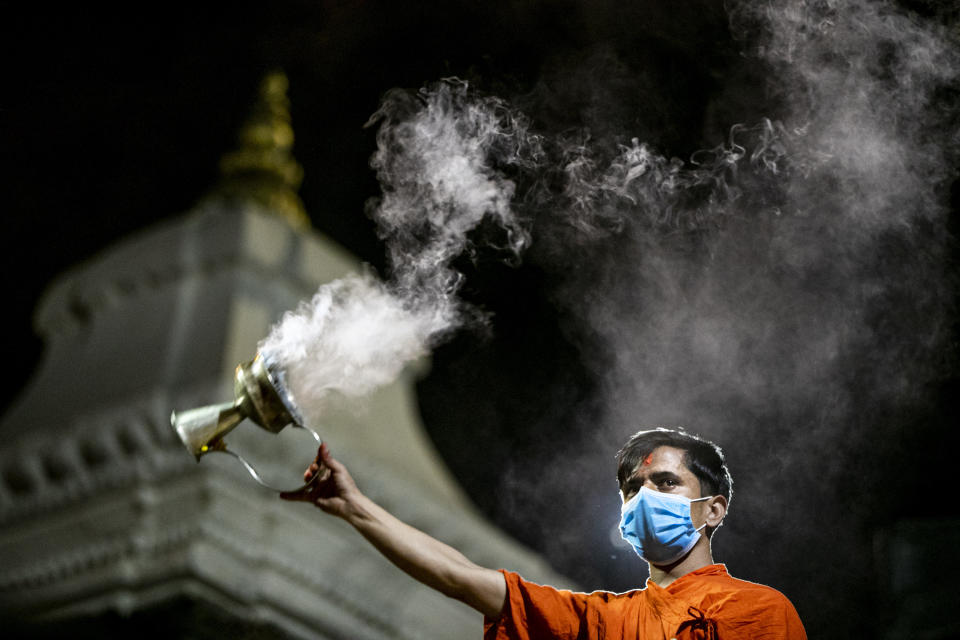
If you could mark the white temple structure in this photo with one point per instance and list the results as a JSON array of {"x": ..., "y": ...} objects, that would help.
[{"x": 108, "y": 525}]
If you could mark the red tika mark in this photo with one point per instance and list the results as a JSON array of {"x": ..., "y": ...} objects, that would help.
[{"x": 646, "y": 461}]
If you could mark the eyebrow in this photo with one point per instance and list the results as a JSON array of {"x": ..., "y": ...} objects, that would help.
[{"x": 656, "y": 477}]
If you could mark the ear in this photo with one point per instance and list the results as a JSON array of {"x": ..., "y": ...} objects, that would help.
[{"x": 715, "y": 511}]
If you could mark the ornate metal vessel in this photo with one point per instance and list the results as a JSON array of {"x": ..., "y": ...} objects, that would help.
[{"x": 259, "y": 395}]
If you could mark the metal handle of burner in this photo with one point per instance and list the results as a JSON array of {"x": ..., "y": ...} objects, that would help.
[{"x": 256, "y": 476}]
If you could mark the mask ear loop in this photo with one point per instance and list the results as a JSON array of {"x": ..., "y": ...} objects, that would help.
[{"x": 701, "y": 500}]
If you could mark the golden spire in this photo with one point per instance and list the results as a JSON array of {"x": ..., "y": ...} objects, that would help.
[{"x": 262, "y": 168}]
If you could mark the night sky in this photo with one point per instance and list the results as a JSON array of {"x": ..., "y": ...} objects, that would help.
[{"x": 113, "y": 122}]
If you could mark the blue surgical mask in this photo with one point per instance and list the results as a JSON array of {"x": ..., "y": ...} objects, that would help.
[{"x": 658, "y": 525}]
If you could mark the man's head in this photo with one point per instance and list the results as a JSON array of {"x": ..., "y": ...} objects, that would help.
[{"x": 673, "y": 461}]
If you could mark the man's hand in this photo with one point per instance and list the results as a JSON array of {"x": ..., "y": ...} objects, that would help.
[
  {"x": 423, "y": 557},
  {"x": 334, "y": 491}
]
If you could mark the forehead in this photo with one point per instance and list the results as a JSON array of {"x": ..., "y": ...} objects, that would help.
[{"x": 663, "y": 458}]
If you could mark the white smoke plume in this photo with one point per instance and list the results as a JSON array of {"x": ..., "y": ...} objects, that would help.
[
  {"x": 353, "y": 336},
  {"x": 433, "y": 161},
  {"x": 757, "y": 274},
  {"x": 746, "y": 277}
]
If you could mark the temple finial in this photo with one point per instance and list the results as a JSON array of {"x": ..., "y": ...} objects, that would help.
[{"x": 262, "y": 167}]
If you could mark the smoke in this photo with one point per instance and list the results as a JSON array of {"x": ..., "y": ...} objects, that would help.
[
  {"x": 353, "y": 336},
  {"x": 799, "y": 264},
  {"x": 439, "y": 159}
]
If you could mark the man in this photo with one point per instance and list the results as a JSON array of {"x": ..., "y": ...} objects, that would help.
[{"x": 675, "y": 488}]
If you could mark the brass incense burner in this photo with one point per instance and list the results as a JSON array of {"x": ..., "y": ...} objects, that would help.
[{"x": 259, "y": 395}]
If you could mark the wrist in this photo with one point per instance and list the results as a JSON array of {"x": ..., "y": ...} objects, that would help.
[{"x": 358, "y": 509}]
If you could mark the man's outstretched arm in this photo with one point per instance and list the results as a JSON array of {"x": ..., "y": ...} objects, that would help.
[{"x": 426, "y": 559}]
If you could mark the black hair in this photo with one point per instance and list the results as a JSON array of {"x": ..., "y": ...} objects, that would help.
[{"x": 702, "y": 457}]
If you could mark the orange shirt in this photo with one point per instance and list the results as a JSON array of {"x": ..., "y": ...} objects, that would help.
[{"x": 703, "y": 602}]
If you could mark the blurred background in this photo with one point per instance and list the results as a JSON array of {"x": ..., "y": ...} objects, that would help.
[{"x": 114, "y": 121}]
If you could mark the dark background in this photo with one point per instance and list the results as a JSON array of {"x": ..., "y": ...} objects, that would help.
[{"x": 113, "y": 121}]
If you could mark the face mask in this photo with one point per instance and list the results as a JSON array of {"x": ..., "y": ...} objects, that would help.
[{"x": 658, "y": 525}]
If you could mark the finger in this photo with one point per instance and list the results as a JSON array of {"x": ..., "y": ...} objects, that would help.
[
  {"x": 325, "y": 456},
  {"x": 333, "y": 464}
]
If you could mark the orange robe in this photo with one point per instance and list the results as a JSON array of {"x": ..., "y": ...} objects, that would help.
[{"x": 705, "y": 604}]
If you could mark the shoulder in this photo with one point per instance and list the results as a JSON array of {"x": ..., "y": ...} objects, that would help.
[
  {"x": 743, "y": 604},
  {"x": 725, "y": 587},
  {"x": 757, "y": 592},
  {"x": 754, "y": 589}
]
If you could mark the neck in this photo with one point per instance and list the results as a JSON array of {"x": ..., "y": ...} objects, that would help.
[{"x": 700, "y": 556}]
